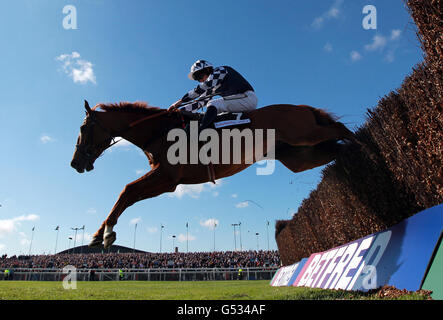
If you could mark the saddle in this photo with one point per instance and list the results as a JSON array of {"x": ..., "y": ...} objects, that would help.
[{"x": 226, "y": 119}]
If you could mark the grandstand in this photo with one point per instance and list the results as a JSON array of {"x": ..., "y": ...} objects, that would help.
[
  {"x": 101, "y": 249},
  {"x": 139, "y": 265}
]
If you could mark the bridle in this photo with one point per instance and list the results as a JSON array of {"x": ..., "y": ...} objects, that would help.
[
  {"x": 90, "y": 116},
  {"x": 92, "y": 119}
]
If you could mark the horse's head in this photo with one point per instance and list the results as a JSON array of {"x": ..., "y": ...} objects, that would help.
[{"x": 93, "y": 139}]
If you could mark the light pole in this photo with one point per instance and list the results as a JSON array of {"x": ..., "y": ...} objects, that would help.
[
  {"x": 32, "y": 238},
  {"x": 239, "y": 233},
  {"x": 215, "y": 225},
  {"x": 258, "y": 205},
  {"x": 187, "y": 237},
  {"x": 69, "y": 246},
  {"x": 161, "y": 234},
  {"x": 75, "y": 237},
  {"x": 135, "y": 231},
  {"x": 173, "y": 243},
  {"x": 56, "y": 239},
  {"x": 235, "y": 237},
  {"x": 267, "y": 231},
  {"x": 257, "y": 240},
  {"x": 83, "y": 238}
]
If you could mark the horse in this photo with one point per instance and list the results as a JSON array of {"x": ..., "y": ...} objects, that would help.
[{"x": 305, "y": 137}]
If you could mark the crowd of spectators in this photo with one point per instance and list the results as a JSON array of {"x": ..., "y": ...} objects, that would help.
[{"x": 226, "y": 259}]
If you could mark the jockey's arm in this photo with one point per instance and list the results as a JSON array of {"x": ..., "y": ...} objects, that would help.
[
  {"x": 175, "y": 105},
  {"x": 202, "y": 90}
]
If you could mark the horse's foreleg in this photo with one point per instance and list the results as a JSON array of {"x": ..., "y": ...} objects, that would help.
[{"x": 150, "y": 185}]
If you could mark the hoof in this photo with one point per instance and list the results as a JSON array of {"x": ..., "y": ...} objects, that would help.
[
  {"x": 96, "y": 241},
  {"x": 109, "y": 239}
]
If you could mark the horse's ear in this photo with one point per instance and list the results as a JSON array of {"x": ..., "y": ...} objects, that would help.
[{"x": 88, "y": 109}]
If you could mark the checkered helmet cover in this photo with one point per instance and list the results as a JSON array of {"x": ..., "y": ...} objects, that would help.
[{"x": 198, "y": 65}]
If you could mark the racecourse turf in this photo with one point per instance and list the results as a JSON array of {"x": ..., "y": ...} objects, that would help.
[{"x": 153, "y": 290}]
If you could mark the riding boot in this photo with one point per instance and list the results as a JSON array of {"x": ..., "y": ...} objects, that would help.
[{"x": 210, "y": 115}]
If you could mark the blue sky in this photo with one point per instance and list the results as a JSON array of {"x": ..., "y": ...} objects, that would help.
[{"x": 298, "y": 52}]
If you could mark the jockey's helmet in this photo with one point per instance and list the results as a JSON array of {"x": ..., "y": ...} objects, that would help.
[{"x": 197, "y": 66}]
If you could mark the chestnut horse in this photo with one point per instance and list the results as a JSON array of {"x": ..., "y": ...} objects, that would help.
[{"x": 305, "y": 138}]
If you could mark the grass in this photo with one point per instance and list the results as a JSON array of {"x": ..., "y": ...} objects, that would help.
[{"x": 153, "y": 290}]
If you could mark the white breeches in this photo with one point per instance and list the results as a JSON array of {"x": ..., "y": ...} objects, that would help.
[{"x": 237, "y": 103}]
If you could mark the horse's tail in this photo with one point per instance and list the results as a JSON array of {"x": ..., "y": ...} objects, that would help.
[{"x": 322, "y": 117}]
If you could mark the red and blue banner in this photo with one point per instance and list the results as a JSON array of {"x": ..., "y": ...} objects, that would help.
[{"x": 398, "y": 256}]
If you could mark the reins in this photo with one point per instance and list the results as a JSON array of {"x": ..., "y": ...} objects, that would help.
[
  {"x": 133, "y": 124},
  {"x": 152, "y": 116}
]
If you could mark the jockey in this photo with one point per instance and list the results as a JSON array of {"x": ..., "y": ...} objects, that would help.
[{"x": 237, "y": 94}]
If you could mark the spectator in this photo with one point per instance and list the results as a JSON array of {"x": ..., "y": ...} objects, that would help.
[
  {"x": 228, "y": 259},
  {"x": 91, "y": 275}
]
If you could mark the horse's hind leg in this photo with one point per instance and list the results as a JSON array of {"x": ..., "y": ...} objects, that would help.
[{"x": 298, "y": 159}]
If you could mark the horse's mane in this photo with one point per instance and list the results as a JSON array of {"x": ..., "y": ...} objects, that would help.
[{"x": 136, "y": 107}]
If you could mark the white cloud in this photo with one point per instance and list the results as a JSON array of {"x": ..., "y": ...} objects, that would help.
[
  {"x": 24, "y": 241},
  {"x": 210, "y": 223},
  {"x": 318, "y": 22},
  {"x": 234, "y": 195},
  {"x": 215, "y": 193},
  {"x": 79, "y": 70},
  {"x": 135, "y": 220},
  {"x": 333, "y": 13},
  {"x": 91, "y": 211},
  {"x": 390, "y": 56},
  {"x": 395, "y": 34},
  {"x": 378, "y": 43},
  {"x": 182, "y": 237},
  {"x": 44, "y": 138},
  {"x": 152, "y": 230},
  {"x": 243, "y": 204},
  {"x": 8, "y": 226},
  {"x": 194, "y": 190},
  {"x": 2, "y": 246},
  {"x": 355, "y": 56},
  {"x": 327, "y": 47}
]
